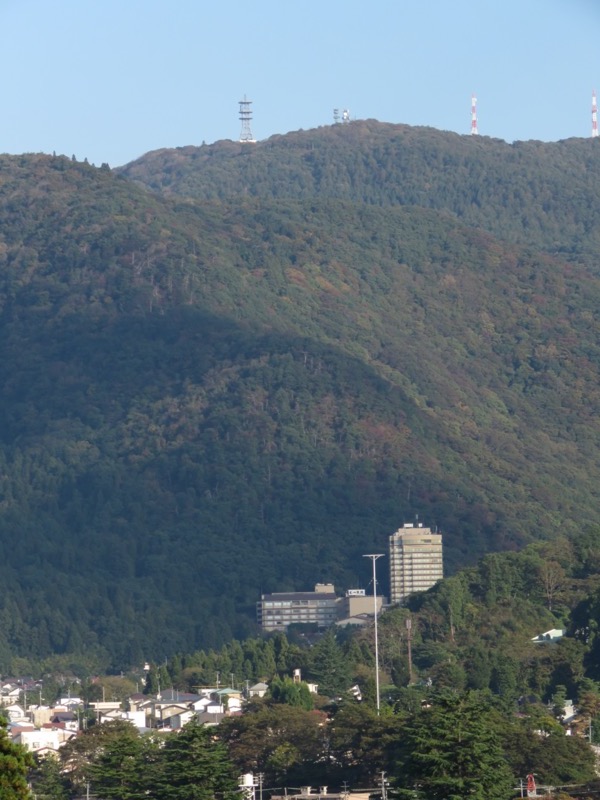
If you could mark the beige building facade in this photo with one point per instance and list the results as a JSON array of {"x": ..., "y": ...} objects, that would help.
[
  {"x": 416, "y": 561},
  {"x": 276, "y": 612}
]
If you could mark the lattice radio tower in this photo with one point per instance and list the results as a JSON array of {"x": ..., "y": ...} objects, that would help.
[
  {"x": 246, "y": 119},
  {"x": 474, "y": 130},
  {"x": 594, "y": 114}
]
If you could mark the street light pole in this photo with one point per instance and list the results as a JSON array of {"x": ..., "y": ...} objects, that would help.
[{"x": 374, "y": 557}]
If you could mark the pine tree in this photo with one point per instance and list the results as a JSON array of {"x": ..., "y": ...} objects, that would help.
[
  {"x": 329, "y": 667},
  {"x": 14, "y": 763},
  {"x": 117, "y": 772},
  {"x": 47, "y": 781},
  {"x": 194, "y": 766},
  {"x": 452, "y": 750}
]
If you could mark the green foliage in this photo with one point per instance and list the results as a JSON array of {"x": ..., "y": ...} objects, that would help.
[
  {"x": 286, "y": 690},
  {"x": 193, "y": 766},
  {"x": 363, "y": 744},
  {"x": 117, "y": 772},
  {"x": 286, "y": 743},
  {"x": 453, "y": 749},
  {"x": 528, "y": 192},
  {"x": 119, "y": 763},
  {"x": 14, "y": 763},
  {"x": 556, "y": 759},
  {"x": 47, "y": 780},
  {"x": 291, "y": 376},
  {"x": 80, "y": 754},
  {"x": 329, "y": 668}
]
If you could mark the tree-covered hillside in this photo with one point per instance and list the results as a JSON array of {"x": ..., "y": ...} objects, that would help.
[
  {"x": 206, "y": 400},
  {"x": 541, "y": 195}
]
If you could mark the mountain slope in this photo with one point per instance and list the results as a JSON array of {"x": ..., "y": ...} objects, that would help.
[
  {"x": 542, "y": 195},
  {"x": 206, "y": 400}
]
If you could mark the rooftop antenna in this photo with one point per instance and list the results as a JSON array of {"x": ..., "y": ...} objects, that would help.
[
  {"x": 246, "y": 119},
  {"x": 474, "y": 130},
  {"x": 594, "y": 114}
]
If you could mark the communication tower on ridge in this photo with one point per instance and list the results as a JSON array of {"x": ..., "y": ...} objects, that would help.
[
  {"x": 474, "y": 129},
  {"x": 246, "y": 119},
  {"x": 594, "y": 114}
]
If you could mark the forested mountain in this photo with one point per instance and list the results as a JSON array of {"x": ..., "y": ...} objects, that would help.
[
  {"x": 542, "y": 195},
  {"x": 203, "y": 399}
]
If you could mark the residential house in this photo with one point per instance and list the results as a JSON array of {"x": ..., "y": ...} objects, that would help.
[
  {"x": 258, "y": 690},
  {"x": 66, "y": 718},
  {"x": 40, "y": 740}
]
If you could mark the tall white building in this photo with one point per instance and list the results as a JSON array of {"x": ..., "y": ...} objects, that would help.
[{"x": 416, "y": 561}]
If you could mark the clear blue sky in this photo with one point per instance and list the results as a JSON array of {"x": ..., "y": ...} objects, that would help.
[{"x": 111, "y": 79}]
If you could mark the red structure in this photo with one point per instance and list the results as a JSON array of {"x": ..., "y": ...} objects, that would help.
[
  {"x": 594, "y": 114},
  {"x": 474, "y": 130}
]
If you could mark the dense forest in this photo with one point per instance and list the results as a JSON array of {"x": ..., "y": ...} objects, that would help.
[
  {"x": 205, "y": 397},
  {"x": 538, "y": 194}
]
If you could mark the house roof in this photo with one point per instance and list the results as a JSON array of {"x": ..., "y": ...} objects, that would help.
[
  {"x": 174, "y": 696},
  {"x": 64, "y": 716},
  {"x": 210, "y": 717}
]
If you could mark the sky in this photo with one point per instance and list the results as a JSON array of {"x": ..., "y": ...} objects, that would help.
[{"x": 109, "y": 80}]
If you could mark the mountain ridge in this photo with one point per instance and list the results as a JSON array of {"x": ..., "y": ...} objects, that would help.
[{"x": 520, "y": 192}]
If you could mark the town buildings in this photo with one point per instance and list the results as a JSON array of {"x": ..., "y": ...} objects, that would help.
[
  {"x": 277, "y": 611},
  {"x": 322, "y": 608},
  {"x": 416, "y": 564},
  {"x": 416, "y": 561}
]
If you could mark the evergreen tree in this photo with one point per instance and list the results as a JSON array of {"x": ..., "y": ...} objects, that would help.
[
  {"x": 14, "y": 762},
  {"x": 285, "y": 690},
  {"x": 194, "y": 766},
  {"x": 117, "y": 772},
  {"x": 47, "y": 780},
  {"x": 452, "y": 750},
  {"x": 329, "y": 667}
]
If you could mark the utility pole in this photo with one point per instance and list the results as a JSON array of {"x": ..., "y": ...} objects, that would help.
[
  {"x": 374, "y": 557},
  {"x": 409, "y": 644},
  {"x": 384, "y": 785}
]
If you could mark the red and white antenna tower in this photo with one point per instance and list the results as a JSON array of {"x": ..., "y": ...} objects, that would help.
[
  {"x": 594, "y": 114},
  {"x": 474, "y": 130}
]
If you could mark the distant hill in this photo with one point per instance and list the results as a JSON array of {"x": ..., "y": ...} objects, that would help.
[
  {"x": 541, "y": 195},
  {"x": 203, "y": 399}
]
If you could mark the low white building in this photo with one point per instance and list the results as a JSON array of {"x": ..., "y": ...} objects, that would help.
[
  {"x": 552, "y": 635},
  {"x": 41, "y": 739}
]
